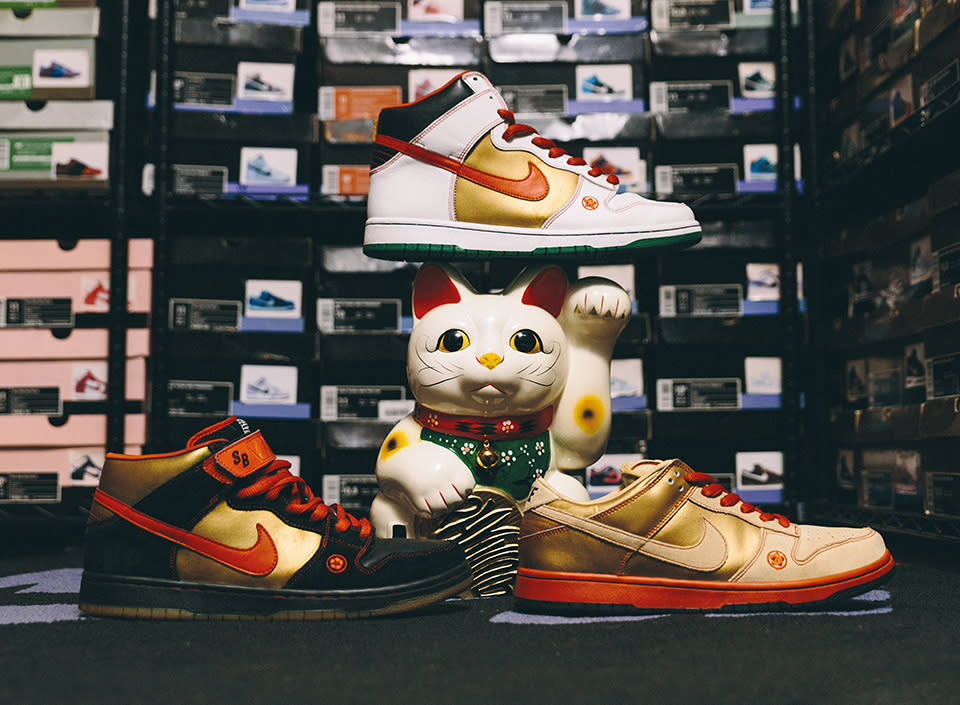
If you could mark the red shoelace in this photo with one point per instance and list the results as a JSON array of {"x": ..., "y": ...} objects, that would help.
[
  {"x": 711, "y": 488},
  {"x": 277, "y": 480},
  {"x": 515, "y": 129}
]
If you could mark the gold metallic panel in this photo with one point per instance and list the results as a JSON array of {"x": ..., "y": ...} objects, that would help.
[
  {"x": 478, "y": 204},
  {"x": 131, "y": 478},
  {"x": 239, "y": 529}
]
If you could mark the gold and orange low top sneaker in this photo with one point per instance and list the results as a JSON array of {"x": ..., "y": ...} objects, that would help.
[
  {"x": 223, "y": 530},
  {"x": 673, "y": 539}
]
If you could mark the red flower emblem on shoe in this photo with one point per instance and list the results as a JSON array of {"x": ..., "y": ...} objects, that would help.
[
  {"x": 336, "y": 563},
  {"x": 590, "y": 203},
  {"x": 777, "y": 560}
]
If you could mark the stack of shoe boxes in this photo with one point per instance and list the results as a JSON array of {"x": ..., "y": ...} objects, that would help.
[
  {"x": 53, "y": 134},
  {"x": 241, "y": 339},
  {"x": 894, "y": 68},
  {"x": 244, "y": 125},
  {"x": 54, "y": 299}
]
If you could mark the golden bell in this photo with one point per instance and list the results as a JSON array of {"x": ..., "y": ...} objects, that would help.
[{"x": 487, "y": 457}]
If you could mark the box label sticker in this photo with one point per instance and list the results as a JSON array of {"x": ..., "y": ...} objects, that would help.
[
  {"x": 197, "y": 398},
  {"x": 520, "y": 17},
  {"x": 36, "y": 312},
  {"x": 942, "y": 496},
  {"x": 356, "y": 102},
  {"x": 30, "y": 153},
  {"x": 194, "y": 180},
  {"x": 352, "y": 492},
  {"x": 696, "y": 178},
  {"x": 698, "y": 394},
  {"x": 679, "y": 14},
  {"x": 689, "y": 96},
  {"x": 191, "y": 88},
  {"x": 946, "y": 273},
  {"x": 204, "y": 314},
  {"x": 29, "y": 487},
  {"x": 545, "y": 99},
  {"x": 345, "y": 180},
  {"x": 701, "y": 300},
  {"x": 940, "y": 82},
  {"x": 16, "y": 82},
  {"x": 355, "y": 402},
  {"x": 358, "y": 315},
  {"x": 30, "y": 401},
  {"x": 943, "y": 376},
  {"x": 339, "y": 18}
]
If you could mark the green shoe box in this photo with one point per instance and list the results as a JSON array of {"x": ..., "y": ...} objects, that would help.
[{"x": 48, "y": 69}]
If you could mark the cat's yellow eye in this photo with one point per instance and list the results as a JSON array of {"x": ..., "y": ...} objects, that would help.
[
  {"x": 526, "y": 341},
  {"x": 452, "y": 341}
]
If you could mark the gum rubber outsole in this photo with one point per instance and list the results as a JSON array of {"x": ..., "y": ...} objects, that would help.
[
  {"x": 106, "y": 596},
  {"x": 571, "y": 593}
]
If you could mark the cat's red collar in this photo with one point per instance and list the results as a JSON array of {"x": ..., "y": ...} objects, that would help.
[{"x": 480, "y": 427}]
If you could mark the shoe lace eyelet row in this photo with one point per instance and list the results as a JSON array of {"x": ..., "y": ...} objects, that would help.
[
  {"x": 515, "y": 129},
  {"x": 277, "y": 481},
  {"x": 709, "y": 487}
]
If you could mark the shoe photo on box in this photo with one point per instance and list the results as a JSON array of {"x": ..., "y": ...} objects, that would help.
[
  {"x": 260, "y": 171},
  {"x": 223, "y": 530},
  {"x": 57, "y": 70},
  {"x": 673, "y": 539},
  {"x": 455, "y": 177}
]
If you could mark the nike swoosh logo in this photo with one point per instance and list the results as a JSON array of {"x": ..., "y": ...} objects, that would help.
[
  {"x": 533, "y": 187},
  {"x": 258, "y": 559},
  {"x": 705, "y": 556}
]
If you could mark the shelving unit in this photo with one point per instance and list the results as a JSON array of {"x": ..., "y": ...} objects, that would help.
[{"x": 827, "y": 222}]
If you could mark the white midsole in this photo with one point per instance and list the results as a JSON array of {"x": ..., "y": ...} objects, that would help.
[{"x": 476, "y": 236}]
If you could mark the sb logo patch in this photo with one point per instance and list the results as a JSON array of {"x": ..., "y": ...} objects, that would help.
[
  {"x": 777, "y": 560},
  {"x": 336, "y": 563},
  {"x": 590, "y": 203}
]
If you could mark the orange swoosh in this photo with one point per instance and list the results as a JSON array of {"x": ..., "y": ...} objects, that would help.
[
  {"x": 533, "y": 187},
  {"x": 258, "y": 559}
]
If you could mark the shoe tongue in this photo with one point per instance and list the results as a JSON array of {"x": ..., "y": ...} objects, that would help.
[
  {"x": 229, "y": 430},
  {"x": 633, "y": 471}
]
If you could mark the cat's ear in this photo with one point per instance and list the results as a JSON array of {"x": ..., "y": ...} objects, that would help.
[
  {"x": 544, "y": 288},
  {"x": 434, "y": 286}
]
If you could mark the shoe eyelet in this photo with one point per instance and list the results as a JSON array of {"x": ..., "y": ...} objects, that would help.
[{"x": 669, "y": 480}]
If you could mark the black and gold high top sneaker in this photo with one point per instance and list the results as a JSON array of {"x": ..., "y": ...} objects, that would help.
[{"x": 223, "y": 530}]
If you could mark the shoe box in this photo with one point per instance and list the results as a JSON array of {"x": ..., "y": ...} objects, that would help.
[
  {"x": 46, "y": 285},
  {"x": 695, "y": 15},
  {"x": 232, "y": 155},
  {"x": 39, "y": 474},
  {"x": 49, "y": 53}
]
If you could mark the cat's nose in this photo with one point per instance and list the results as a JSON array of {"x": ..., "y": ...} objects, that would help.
[{"x": 490, "y": 360}]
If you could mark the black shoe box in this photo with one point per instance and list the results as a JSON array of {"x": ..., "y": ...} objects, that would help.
[
  {"x": 559, "y": 88},
  {"x": 240, "y": 23}
]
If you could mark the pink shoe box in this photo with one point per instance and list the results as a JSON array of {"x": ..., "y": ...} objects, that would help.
[
  {"x": 79, "y": 344},
  {"x": 74, "y": 380},
  {"x": 87, "y": 254},
  {"x": 88, "y": 291},
  {"x": 77, "y": 466},
  {"x": 28, "y": 431}
]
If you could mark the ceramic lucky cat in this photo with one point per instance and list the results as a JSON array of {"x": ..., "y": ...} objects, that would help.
[{"x": 509, "y": 386}]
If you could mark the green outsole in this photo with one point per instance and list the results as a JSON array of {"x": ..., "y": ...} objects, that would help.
[{"x": 584, "y": 253}]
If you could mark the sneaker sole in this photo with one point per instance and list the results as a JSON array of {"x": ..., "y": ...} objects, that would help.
[
  {"x": 145, "y": 598},
  {"x": 540, "y": 590},
  {"x": 445, "y": 242}
]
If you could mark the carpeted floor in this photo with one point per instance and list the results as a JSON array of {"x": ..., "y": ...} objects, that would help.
[{"x": 898, "y": 645}]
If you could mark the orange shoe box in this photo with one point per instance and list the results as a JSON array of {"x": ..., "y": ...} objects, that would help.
[
  {"x": 79, "y": 344},
  {"x": 76, "y": 430},
  {"x": 86, "y": 254},
  {"x": 88, "y": 290},
  {"x": 30, "y": 386},
  {"x": 78, "y": 466}
]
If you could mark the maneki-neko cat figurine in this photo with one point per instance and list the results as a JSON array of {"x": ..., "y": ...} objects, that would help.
[{"x": 509, "y": 387}]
